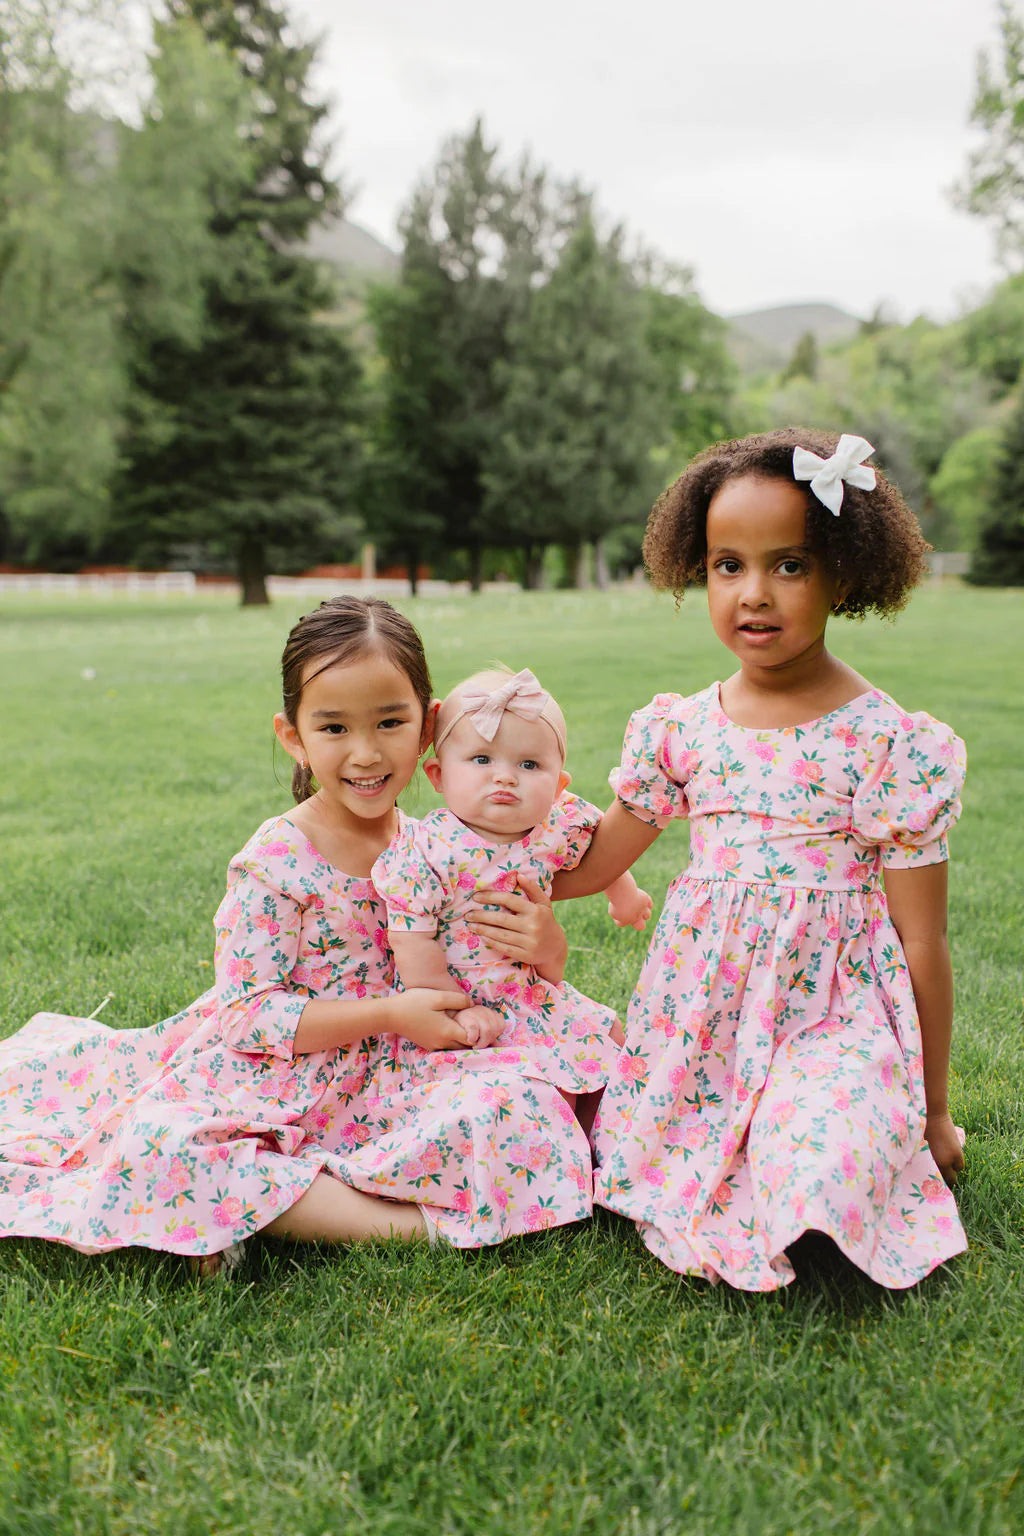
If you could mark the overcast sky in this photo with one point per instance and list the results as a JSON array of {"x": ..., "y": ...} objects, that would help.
[{"x": 801, "y": 149}]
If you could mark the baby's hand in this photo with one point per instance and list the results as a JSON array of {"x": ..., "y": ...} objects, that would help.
[
  {"x": 481, "y": 1025},
  {"x": 631, "y": 910}
]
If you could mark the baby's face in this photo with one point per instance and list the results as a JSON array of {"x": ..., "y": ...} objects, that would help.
[{"x": 500, "y": 788}]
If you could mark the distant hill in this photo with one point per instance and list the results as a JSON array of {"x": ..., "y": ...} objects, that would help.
[
  {"x": 351, "y": 248},
  {"x": 765, "y": 338}
]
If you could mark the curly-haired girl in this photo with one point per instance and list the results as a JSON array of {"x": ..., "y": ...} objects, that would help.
[{"x": 787, "y": 1047}]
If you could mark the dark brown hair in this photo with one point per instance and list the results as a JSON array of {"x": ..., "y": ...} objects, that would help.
[
  {"x": 340, "y": 630},
  {"x": 874, "y": 547}
]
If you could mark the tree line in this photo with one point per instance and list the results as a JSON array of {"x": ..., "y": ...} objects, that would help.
[{"x": 178, "y": 375}]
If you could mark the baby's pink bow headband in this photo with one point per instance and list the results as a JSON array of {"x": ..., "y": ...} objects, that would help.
[
  {"x": 521, "y": 695},
  {"x": 827, "y": 475}
]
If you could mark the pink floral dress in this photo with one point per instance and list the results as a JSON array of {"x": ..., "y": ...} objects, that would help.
[
  {"x": 771, "y": 1079},
  {"x": 200, "y": 1130},
  {"x": 428, "y": 880}
]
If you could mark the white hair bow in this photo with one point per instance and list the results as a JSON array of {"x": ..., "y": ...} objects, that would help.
[{"x": 827, "y": 475}]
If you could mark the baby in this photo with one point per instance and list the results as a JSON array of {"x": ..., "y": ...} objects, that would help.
[{"x": 500, "y": 743}]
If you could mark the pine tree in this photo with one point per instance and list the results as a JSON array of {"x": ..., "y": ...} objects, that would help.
[
  {"x": 998, "y": 559},
  {"x": 247, "y": 439},
  {"x": 475, "y": 235},
  {"x": 581, "y": 408}
]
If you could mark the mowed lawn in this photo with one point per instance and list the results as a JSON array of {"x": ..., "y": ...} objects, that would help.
[{"x": 565, "y": 1383}]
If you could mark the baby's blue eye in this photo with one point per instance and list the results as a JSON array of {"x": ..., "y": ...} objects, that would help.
[
  {"x": 480, "y": 757},
  {"x": 529, "y": 763}
]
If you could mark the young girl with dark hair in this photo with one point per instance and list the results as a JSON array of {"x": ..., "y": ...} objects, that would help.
[
  {"x": 286, "y": 1099},
  {"x": 787, "y": 1047}
]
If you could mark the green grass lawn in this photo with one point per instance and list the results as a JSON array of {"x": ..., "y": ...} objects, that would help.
[{"x": 566, "y": 1383}]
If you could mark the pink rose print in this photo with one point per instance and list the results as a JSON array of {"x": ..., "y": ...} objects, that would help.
[
  {"x": 781, "y": 1113},
  {"x": 537, "y": 1218},
  {"x": 652, "y": 1175},
  {"x": 229, "y": 1211},
  {"x": 184, "y": 1235},
  {"x": 354, "y": 1134},
  {"x": 853, "y": 1224},
  {"x": 633, "y": 1068},
  {"x": 934, "y": 1190}
]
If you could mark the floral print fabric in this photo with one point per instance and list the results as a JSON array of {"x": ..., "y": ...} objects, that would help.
[
  {"x": 192, "y": 1134},
  {"x": 771, "y": 1079},
  {"x": 428, "y": 879}
]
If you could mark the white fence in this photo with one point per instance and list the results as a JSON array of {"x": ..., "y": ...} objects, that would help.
[
  {"x": 184, "y": 584},
  {"x": 134, "y": 583}
]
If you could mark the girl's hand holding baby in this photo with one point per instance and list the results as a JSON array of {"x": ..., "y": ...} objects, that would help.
[
  {"x": 432, "y": 1018},
  {"x": 524, "y": 928}
]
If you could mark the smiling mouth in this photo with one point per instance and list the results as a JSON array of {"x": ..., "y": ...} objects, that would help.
[
  {"x": 368, "y": 786},
  {"x": 758, "y": 629}
]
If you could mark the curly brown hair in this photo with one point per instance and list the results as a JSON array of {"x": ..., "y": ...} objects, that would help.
[{"x": 875, "y": 548}]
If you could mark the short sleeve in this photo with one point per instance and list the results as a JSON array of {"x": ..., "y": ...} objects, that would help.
[
  {"x": 911, "y": 797},
  {"x": 574, "y": 821},
  {"x": 408, "y": 884},
  {"x": 645, "y": 779},
  {"x": 258, "y": 926}
]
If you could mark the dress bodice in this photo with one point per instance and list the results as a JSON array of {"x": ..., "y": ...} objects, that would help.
[{"x": 827, "y": 804}]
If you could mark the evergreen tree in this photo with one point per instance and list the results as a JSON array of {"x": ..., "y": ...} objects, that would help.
[
  {"x": 803, "y": 364},
  {"x": 474, "y": 237},
  {"x": 246, "y": 439},
  {"x": 582, "y": 407},
  {"x": 998, "y": 559},
  {"x": 97, "y": 220}
]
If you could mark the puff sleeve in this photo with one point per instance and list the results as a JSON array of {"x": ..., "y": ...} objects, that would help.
[
  {"x": 408, "y": 884},
  {"x": 648, "y": 780},
  {"x": 573, "y": 821},
  {"x": 258, "y": 927},
  {"x": 910, "y": 797}
]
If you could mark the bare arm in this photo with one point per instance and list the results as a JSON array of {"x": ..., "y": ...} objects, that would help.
[
  {"x": 328, "y": 1024},
  {"x": 420, "y": 962},
  {"x": 917, "y": 905},
  {"x": 617, "y": 843}
]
